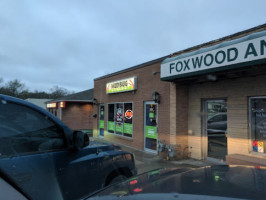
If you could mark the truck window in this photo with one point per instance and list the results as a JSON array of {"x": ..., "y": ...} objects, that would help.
[{"x": 26, "y": 131}]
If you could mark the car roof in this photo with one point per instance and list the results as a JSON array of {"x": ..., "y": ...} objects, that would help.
[{"x": 221, "y": 113}]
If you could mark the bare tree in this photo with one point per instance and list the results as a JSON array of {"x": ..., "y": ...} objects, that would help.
[
  {"x": 18, "y": 89},
  {"x": 15, "y": 87},
  {"x": 57, "y": 92}
]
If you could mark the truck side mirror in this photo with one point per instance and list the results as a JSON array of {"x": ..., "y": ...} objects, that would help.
[{"x": 80, "y": 139}]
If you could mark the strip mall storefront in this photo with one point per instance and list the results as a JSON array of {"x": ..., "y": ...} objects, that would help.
[
  {"x": 225, "y": 83},
  {"x": 129, "y": 109},
  {"x": 212, "y": 101}
]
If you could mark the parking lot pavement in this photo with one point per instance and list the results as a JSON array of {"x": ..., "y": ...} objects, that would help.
[{"x": 147, "y": 161}]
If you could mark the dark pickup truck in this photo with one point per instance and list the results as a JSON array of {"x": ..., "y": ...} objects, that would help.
[{"x": 44, "y": 159}]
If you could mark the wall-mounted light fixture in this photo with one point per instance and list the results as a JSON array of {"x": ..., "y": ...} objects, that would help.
[
  {"x": 156, "y": 97},
  {"x": 95, "y": 102},
  {"x": 211, "y": 77},
  {"x": 154, "y": 73},
  {"x": 94, "y": 115}
]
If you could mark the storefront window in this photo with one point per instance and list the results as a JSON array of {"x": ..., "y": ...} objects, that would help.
[
  {"x": 128, "y": 127},
  {"x": 258, "y": 123},
  {"x": 120, "y": 119}
]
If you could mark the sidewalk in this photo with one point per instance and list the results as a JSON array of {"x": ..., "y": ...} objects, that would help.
[{"x": 148, "y": 161}]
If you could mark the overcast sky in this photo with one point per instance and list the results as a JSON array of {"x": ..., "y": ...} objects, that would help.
[{"x": 67, "y": 43}]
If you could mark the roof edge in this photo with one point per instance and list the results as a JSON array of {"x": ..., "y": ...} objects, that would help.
[
  {"x": 85, "y": 101},
  {"x": 210, "y": 43},
  {"x": 222, "y": 39},
  {"x": 133, "y": 68}
]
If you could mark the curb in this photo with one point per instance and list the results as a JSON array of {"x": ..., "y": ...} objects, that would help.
[{"x": 190, "y": 161}]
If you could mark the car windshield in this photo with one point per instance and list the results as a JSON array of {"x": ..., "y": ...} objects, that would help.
[{"x": 144, "y": 98}]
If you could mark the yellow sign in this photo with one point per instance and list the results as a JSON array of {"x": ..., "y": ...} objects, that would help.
[
  {"x": 52, "y": 105},
  {"x": 260, "y": 144},
  {"x": 260, "y": 147},
  {"x": 62, "y": 104},
  {"x": 123, "y": 85}
]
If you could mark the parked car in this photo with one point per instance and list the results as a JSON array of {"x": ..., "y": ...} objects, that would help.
[
  {"x": 47, "y": 160},
  {"x": 260, "y": 129},
  {"x": 217, "y": 124},
  {"x": 214, "y": 182}
]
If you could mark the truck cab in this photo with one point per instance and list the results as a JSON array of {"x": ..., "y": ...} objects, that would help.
[{"x": 48, "y": 160}]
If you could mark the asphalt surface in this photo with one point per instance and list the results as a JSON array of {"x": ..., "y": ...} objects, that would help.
[{"x": 147, "y": 161}]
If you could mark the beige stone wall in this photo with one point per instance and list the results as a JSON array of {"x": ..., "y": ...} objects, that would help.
[
  {"x": 181, "y": 120},
  {"x": 173, "y": 113},
  {"x": 236, "y": 92}
]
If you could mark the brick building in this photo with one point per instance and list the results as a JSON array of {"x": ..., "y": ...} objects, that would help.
[
  {"x": 212, "y": 101},
  {"x": 135, "y": 99},
  {"x": 75, "y": 110}
]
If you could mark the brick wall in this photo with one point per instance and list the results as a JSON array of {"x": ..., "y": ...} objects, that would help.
[
  {"x": 78, "y": 115},
  {"x": 236, "y": 91},
  {"x": 147, "y": 83}
]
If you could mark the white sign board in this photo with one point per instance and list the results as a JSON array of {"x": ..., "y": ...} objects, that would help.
[{"x": 249, "y": 50}]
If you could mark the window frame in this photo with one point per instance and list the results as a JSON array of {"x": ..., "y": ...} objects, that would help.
[
  {"x": 44, "y": 115},
  {"x": 114, "y": 133},
  {"x": 251, "y": 138}
]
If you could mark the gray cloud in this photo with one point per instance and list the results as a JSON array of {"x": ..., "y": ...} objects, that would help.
[{"x": 69, "y": 43}]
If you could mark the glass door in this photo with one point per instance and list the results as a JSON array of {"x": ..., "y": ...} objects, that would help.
[
  {"x": 150, "y": 126},
  {"x": 216, "y": 128},
  {"x": 101, "y": 120}
]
